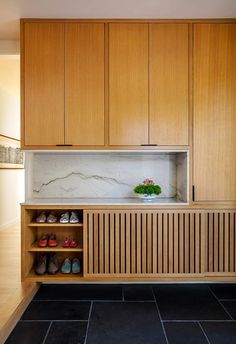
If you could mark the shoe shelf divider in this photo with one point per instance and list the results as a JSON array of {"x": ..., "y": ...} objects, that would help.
[{"x": 32, "y": 231}]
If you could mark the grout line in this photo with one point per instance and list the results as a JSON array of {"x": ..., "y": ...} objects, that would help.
[
  {"x": 158, "y": 311},
  {"x": 53, "y": 320},
  {"x": 123, "y": 300},
  {"x": 46, "y": 335},
  {"x": 205, "y": 335},
  {"x": 227, "y": 299},
  {"x": 224, "y": 308},
  {"x": 90, "y": 311},
  {"x": 197, "y": 320}
]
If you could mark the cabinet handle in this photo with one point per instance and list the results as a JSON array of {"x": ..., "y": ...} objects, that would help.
[
  {"x": 64, "y": 145},
  {"x": 149, "y": 144},
  {"x": 193, "y": 193}
]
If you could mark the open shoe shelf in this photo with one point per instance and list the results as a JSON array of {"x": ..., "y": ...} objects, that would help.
[
  {"x": 56, "y": 224},
  {"x": 59, "y": 248}
]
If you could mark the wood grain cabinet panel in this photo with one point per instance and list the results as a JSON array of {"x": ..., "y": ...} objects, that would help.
[
  {"x": 43, "y": 84},
  {"x": 128, "y": 84},
  {"x": 84, "y": 84},
  {"x": 139, "y": 243},
  {"x": 215, "y": 112},
  {"x": 168, "y": 86}
]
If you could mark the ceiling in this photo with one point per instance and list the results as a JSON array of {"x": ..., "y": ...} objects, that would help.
[{"x": 12, "y": 10}]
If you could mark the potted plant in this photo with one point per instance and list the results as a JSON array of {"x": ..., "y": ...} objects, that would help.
[{"x": 148, "y": 189}]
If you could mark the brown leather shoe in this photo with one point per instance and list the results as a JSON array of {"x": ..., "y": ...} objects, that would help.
[
  {"x": 41, "y": 266},
  {"x": 53, "y": 264}
]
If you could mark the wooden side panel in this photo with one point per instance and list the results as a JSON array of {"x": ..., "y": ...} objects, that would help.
[
  {"x": 220, "y": 242},
  {"x": 168, "y": 87},
  {"x": 136, "y": 243},
  {"x": 214, "y": 112},
  {"x": 128, "y": 84},
  {"x": 84, "y": 84},
  {"x": 44, "y": 83}
]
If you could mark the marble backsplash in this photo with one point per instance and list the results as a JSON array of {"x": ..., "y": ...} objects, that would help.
[{"x": 106, "y": 175}]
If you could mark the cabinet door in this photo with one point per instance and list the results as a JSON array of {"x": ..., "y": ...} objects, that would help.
[
  {"x": 84, "y": 93},
  {"x": 128, "y": 84},
  {"x": 215, "y": 112},
  {"x": 143, "y": 243},
  {"x": 168, "y": 74},
  {"x": 44, "y": 83}
]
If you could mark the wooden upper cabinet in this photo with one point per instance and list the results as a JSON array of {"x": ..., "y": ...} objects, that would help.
[
  {"x": 215, "y": 112},
  {"x": 84, "y": 84},
  {"x": 168, "y": 87},
  {"x": 43, "y": 59},
  {"x": 128, "y": 84}
]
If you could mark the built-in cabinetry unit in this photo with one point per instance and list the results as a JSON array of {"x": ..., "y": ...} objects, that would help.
[
  {"x": 166, "y": 86},
  {"x": 117, "y": 243}
]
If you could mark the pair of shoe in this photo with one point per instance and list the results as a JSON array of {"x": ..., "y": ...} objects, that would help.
[
  {"x": 67, "y": 218},
  {"x": 71, "y": 266},
  {"x": 51, "y": 218},
  {"x": 47, "y": 263},
  {"x": 72, "y": 243},
  {"x": 48, "y": 240}
]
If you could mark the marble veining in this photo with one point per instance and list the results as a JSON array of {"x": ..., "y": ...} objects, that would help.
[{"x": 107, "y": 175}]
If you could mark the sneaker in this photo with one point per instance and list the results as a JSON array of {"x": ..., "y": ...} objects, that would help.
[
  {"x": 43, "y": 241},
  {"x": 73, "y": 243},
  {"x": 41, "y": 218},
  {"x": 75, "y": 266},
  {"x": 52, "y": 240},
  {"x": 66, "y": 266},
  {"x": 53, "y": 264},
  {"x": 41, "y": 266},
  {"x": 65, "y": 217},
  {"x": 74, "y": 217},
  {"x": 52, "y": 218}
]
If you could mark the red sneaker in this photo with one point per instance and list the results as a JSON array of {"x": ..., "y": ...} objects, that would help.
[
  {"x": 43, "y": 241},
  {"x": 52, "y": 241},
  {"x": 66, "y": 243},
  {"x": 73, "y": 243}
]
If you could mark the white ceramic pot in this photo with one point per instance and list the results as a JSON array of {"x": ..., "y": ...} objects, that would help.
[{"x": 147, "y": 197}]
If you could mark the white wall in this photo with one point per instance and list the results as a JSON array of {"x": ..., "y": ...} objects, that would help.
[{"x": 11, "y": 181}]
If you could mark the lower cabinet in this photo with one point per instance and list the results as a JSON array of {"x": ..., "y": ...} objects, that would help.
[
  {"x": 136, "y": 245},
  {"x": 221, "y": 242},
  {"x": 143, "y": 243}
]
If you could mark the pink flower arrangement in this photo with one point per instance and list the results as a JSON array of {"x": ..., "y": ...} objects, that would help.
[{"x": 148, "y": 181}]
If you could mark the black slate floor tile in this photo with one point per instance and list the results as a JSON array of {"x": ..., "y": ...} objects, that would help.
[
  {"x": 224, "y": 291},
  {"x": 220, "y": 332},
  {"x": 28, "y": 333},
  {"x": 67, "y": 333},
  {"x": 230, "y": 307},
  {"x": 184, "y": 333},
  {"x": 188, "y": 302},
  {"x": 57, "y": 310},
  {"x": 79, "y": 292},
  {"x": 126, "y": 323},
  {"x": 138, "y": 293}
]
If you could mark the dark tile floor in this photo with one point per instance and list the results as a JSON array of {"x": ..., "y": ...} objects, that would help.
[{"x": 129, "y": 314}]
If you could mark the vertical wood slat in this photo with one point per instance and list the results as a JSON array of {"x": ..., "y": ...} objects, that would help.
[
  {"x": 220, "y": 242},
  {"x": 144, "y": 242}
]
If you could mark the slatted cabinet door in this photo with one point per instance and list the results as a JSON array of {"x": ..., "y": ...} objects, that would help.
[
  {"x": 221, "y": 243},
  {"x": 143, "y": 243}
]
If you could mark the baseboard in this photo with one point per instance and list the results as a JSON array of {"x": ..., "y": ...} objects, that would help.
[
  {"x": 9, "y": 223},
  {"x": 12, "y": 310}
]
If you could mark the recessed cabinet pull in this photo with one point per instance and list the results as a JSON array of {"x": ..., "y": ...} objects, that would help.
[
  {"x": 149, "y": 144},
  {"x": 64, "y": 145}
]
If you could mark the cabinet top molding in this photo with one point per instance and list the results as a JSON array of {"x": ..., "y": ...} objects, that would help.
[{"x": 129, "y": 20}]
